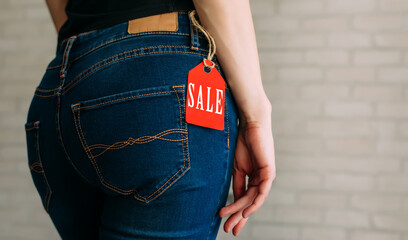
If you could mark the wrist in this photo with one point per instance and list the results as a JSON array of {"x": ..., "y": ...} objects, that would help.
[{"x": 256, "y": 112}]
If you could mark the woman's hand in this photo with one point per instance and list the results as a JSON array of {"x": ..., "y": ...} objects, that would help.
[
  {"x": 255, "y": 157},
  {"x": 231, "y": 26}
]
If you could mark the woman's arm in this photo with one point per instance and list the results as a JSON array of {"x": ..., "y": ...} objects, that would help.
[
  {"x": 230, "y": 24},
  {"x": 57, "y": 11}
]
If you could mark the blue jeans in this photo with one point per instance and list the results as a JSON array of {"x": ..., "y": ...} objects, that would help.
[{"x": 109, "y": 150}]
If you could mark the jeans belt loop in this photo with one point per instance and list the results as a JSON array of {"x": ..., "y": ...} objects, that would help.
[
  {"x": 194, "y": 35},
  {"x": 65, "y": 57}
]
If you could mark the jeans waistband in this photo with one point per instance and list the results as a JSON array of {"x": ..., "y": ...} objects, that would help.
[{"x": 88, "y": 41}]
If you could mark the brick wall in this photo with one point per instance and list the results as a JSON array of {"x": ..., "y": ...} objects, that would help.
[
  {"x": 27, "y": 44},
  {"x": 336, "y": 74}
]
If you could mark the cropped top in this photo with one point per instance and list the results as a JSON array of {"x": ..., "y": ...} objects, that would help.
[{"x": 87, "y": 15}]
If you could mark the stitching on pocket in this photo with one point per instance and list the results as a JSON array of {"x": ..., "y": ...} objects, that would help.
[
  {"x": 130, "y": 141},
  {"x": 85, "y": 146},
  {"x": 77, "y": 120},
  {"x": 47, "y": 90},
  {"x": 183, "y": 169},
  {"x": 37, "y": 165},
  {"x": 35, "y": 125}
]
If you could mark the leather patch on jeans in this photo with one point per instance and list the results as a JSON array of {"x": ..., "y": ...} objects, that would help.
[{"x": 159, "y": 22}]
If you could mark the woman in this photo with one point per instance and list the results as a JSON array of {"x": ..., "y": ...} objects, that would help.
[{"x": 118, "y": 144}]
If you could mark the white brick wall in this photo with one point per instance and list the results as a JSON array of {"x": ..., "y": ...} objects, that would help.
[{"x": 336, "y": 74}]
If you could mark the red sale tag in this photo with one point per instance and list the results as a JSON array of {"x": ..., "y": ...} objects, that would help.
[{"x": 205, "y": 97}]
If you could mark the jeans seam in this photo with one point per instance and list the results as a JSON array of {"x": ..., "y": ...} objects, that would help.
[
  {"x": 81, "y": 34},
  {"x": 121, "y": 38},
  {"x": 75, "y": 59},
  {"x": 219, "y": 199},
  {"x": 198, "y": 39},
  {"x": 119, "y": 99},
  {"x": 226, "y": 110},
  {"x": 47, "y": 91},
  {"x": 55, "y": 93},
  {"x": 93, "y": 68}
]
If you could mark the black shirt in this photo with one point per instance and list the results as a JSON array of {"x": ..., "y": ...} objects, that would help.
[{"x": 87, "y": 15}]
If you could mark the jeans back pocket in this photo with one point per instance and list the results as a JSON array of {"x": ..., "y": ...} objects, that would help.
[
  {"x": 135, "y": 140},
  {"x": 35, "y": 164}
]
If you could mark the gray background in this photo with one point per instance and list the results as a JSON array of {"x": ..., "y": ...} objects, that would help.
[{"x": 336, "y": 74}]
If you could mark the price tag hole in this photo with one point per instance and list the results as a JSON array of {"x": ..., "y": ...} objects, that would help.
[{"x": 207, "y": 69}]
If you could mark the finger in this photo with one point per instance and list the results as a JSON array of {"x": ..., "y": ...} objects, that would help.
[
  {"x": 264, "y": 189},
  {"x": 240, "y": 204},
  {"x": 258, "y": 202},
  {"x": 238, "y": 184},
  {"x": 239, "y": 173},
  {"x": 239, "y": 226},
  {"x": 232, "y": 221}
]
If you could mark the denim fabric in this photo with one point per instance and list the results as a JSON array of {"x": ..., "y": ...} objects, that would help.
[{"x": 109, "y": 150}]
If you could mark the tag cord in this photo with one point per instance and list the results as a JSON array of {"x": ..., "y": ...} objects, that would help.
[{"x": 211, "y": 41}]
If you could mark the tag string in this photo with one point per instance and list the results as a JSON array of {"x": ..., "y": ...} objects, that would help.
[{"x": 211, "y": 41}]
